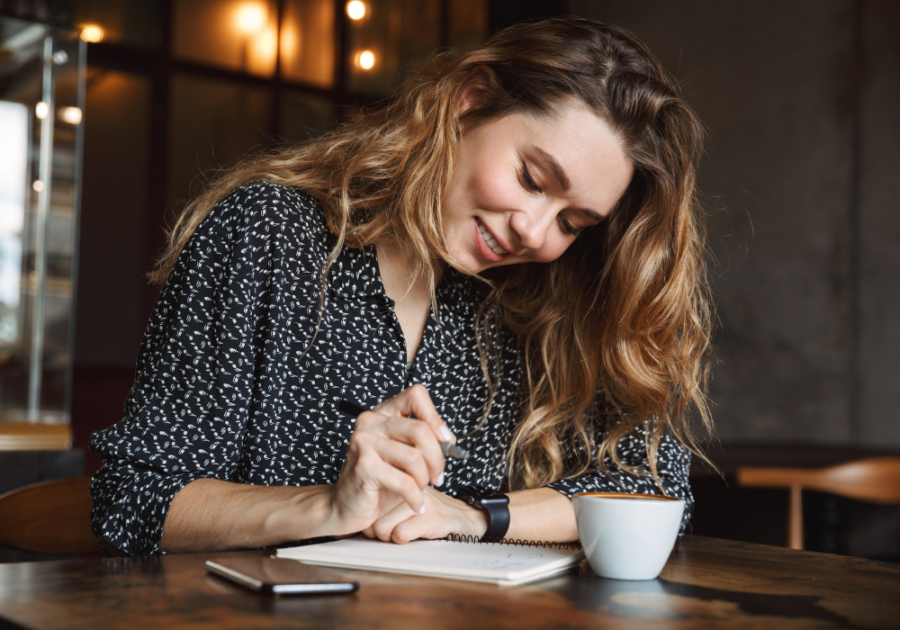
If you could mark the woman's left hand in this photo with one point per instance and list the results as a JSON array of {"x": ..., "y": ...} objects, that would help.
[{"x": 443, "y": 516}]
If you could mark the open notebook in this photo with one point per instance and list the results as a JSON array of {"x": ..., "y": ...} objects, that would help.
[{"x": 501, "y": 563}]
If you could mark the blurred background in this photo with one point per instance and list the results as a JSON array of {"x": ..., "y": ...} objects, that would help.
[{"x": 800, "y": 98}]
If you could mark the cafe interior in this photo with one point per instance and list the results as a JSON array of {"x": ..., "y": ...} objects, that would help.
[{"x": 114, "y": 114}]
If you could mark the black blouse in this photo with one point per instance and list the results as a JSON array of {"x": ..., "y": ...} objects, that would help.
[{"x": 233, "y": 382}]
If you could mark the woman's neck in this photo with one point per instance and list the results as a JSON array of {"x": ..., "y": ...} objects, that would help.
[{"x": 409, "y": 291}]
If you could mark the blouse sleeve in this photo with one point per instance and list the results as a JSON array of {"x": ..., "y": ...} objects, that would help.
[
  {"x": 187, "y": 412},
  {"x": 672, "y": 465}
]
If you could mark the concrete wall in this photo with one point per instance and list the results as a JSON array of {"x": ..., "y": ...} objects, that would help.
[{"x": 801, "y": 101}]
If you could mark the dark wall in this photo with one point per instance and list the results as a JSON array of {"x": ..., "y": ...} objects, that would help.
[{"x": 801, "y": 102}]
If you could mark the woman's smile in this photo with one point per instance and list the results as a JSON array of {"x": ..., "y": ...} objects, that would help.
[{"x": 486, "y": 244}]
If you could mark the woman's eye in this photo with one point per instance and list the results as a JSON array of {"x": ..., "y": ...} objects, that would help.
[
  {"x": 568, "y": 227},
  {"x": 530, "y": 184}
]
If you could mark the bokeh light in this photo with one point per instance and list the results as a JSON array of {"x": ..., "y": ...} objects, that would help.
[
  {"x": 366, "y": 60},
  {"x": 356, "y": 10},
  {"x": 41, "y": 110},
  {"x": 92, "y": 33},
  {"x": 250, "y": 18},
  {"x": 71, "y": 115}
]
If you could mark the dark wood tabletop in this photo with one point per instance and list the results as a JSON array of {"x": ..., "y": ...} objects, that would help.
[{"x": 707, "y": 583}]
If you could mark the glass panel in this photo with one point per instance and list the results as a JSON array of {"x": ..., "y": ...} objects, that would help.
[
  {"x": 307, "y": 42},
  {"x": 239, "y": 35},
  {"x": 213, "y": 123},
  {"x": 304, "y": 116},
  {"x": 392, "y": 36},
  {"x": 41, "y": 111},
  {"x": 122, "y": 21},
  {"x": 468, "y": 23}
]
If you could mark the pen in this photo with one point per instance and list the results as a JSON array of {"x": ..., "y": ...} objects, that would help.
[{"x": 450, "y": 449}]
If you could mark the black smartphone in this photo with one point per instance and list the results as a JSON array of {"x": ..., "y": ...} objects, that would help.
[{"x": 275, "y": 576}]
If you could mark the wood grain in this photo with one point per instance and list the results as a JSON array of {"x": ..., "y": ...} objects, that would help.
[
  {"x": 707, "y": 583},
  {"x": 51, "y": 517}
]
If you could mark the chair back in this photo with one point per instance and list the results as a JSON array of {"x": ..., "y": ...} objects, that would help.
[
  {"x": 52, "y": 517},
  {"x": 875, "y": 480}
]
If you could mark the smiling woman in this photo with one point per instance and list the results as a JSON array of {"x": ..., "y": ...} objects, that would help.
[
  {"x": 512, "y": 200},
  {"x": 509, "y": 254}
]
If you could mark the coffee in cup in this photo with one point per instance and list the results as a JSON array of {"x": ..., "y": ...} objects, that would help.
[{"x": 627, "y": 536}]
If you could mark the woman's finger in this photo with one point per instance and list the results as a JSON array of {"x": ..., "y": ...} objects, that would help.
[
  {"x": 419, "y": 435},
  {"x": 383, "y": 528},
  {"x": 416, "y": 402},
  {"x": 405, "y": 457},
  {"x": 372, "y": 469}
]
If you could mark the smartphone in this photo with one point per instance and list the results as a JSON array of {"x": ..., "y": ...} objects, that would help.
[{"x": 275, "y": 576}]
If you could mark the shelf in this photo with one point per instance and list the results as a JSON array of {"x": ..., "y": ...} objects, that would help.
[{"x": 27, "y": 436}]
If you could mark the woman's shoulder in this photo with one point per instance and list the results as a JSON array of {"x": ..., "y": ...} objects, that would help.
[{"x": 261, "y": 206}]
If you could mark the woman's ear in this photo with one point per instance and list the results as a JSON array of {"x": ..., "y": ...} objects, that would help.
[{"x": 478, "y": 85}]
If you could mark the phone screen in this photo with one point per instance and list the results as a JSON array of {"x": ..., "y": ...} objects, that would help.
[{"x": 274, "y": 576}]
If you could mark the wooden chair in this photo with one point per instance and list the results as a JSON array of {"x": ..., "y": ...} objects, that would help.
[
  {"x": 52, "y": 517},
  {"x": 874, "y": 480}
]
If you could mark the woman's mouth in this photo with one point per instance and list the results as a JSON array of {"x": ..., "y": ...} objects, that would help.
[{"x": 487, "y": 245}]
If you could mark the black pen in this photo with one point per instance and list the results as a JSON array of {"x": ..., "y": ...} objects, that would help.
[{"x": 450, "y": 449}]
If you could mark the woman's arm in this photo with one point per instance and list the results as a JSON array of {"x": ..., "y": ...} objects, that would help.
[
  {"x": 214, "y": 515},
  {"x": 539, "y": 514},
  {"x": 390, "y": 460},
  {"x": 547, "y": 513}
]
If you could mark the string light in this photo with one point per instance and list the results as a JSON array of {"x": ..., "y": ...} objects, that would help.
[
  {"x": 38, "y": 186},
  {"x": 41, "y": 110},
  {"x": 356, "y": 10},
  {"x": 366, "y": 60},
  {"x": 92, "y": 33}
]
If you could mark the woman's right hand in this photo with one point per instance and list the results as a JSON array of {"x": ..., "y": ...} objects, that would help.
[{"x": 391, "y": 459}]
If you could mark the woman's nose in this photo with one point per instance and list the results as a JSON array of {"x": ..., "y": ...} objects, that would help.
[{"x": 531, "y": 226}]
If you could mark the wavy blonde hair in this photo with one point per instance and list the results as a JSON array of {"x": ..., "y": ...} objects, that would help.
[{"x": 617, "y": 328}]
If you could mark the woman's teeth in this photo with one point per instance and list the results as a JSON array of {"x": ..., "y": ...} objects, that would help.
[{"x": 490, "y": 241}]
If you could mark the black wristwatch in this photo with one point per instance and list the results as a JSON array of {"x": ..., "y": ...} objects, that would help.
[{"x": 494, "y": 503}]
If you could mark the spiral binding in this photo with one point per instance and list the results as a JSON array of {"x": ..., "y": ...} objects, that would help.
[{"x": 463, "y": 538}]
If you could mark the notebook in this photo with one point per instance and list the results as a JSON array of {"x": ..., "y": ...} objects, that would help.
[{"x": 505, "y": 563}]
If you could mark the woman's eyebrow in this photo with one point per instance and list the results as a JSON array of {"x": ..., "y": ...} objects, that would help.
[
  {"x": 549, "y": 162},
  {"x": 554, "y": 167}
]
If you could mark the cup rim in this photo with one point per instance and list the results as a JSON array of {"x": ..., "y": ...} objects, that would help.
[{"x": 626, "y": 495}]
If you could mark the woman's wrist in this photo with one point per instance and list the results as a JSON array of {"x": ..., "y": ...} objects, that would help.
[
  {"x": 475, "y": 521},
  {"x": 308, "y": 514}
]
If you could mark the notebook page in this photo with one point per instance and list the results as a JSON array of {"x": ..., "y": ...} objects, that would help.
[{"x": 502, "y": 564}]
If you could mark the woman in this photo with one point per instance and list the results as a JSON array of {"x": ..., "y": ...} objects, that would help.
[{"x": 510, "y": 254}]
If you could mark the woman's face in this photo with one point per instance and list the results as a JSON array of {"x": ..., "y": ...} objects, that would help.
[{"x": 526, "y": 185}]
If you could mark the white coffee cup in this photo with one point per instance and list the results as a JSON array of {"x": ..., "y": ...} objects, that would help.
[{"x": 627, "y": 536}]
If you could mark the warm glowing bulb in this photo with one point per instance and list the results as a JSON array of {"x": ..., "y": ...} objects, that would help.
[
  {"x": 71, "y": 115},
  {"x": 366, "y": 59},
  {"x": 38, "y": 186},
  {"x": 41, "y": 110},
  {"x": 251, "y": 17},
  {"x": 92, "y": 33},
  {"x": 356, "y": 10}
]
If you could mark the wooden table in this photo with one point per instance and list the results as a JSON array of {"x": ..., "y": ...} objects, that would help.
[{"x": 707, "y": 583}]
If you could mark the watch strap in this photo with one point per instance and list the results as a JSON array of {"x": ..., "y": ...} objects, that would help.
[{"x": 496, "y": 506}]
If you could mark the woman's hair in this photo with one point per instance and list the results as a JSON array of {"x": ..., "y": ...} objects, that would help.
[{"x": 617, "y": 328}]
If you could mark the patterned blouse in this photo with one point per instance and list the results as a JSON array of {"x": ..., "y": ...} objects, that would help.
[{"x": 233, "y": 382}]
